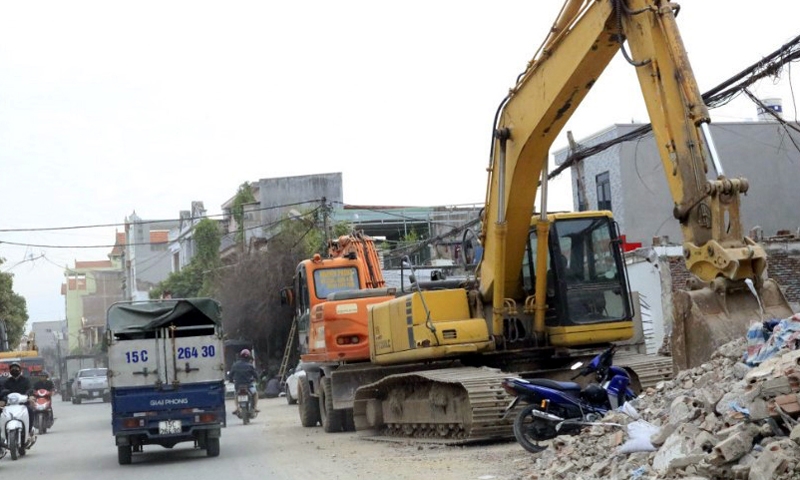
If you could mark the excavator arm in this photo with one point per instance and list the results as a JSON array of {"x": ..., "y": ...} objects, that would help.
[{"x": 582, "y": 42}]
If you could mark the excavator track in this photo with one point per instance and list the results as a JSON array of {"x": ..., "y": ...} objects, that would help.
[{"x": 451, "y": 406}]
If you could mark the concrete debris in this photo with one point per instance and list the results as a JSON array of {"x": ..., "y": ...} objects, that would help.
[{"x": 721, "y": 420}]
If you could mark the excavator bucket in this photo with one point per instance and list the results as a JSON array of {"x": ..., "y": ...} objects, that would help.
[{"x": 709, "y": 317}]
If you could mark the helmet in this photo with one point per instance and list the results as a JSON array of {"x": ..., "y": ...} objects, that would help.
[
  {"x": 15, "y": 364},
  {"x": 595, "y": 394},
  {"x": 245, "y": 353},
  {"x": 44, "y": 374}
]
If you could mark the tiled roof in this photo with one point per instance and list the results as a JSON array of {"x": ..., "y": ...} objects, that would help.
[
  {"x": 120, "y": 242},
  {"x": 159, "y": 236},
  {"x": 88, "y": 265}
]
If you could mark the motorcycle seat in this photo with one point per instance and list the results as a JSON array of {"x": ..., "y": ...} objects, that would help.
[{"x": 555, "y": 385}]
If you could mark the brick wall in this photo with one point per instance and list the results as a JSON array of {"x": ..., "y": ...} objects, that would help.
[
  {"x": 783, "y": 266},
  {"x": 678, "y": 272}
]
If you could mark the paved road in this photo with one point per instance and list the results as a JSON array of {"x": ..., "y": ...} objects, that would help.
[
  {"x": 274, "y": 447},
  {"x": 80, "y": 446}
]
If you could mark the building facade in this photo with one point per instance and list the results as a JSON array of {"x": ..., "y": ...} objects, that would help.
[
  {"x": 90, "y": 288},
  {"x": 276, "y": 200},
  {"x": 145, "y": 256},
  {"x": 181, "y": 241},
  {"x": 628, "y": 179},
  {"x": 51, "y": 340}
]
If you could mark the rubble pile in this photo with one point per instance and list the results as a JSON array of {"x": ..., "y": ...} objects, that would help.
[{"x": 721, "y": 420}]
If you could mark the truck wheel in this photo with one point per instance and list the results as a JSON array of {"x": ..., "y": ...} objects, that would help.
[
  {"x": 332, "y": 420},
  {"x": 212, "y": 447},
  {"x": 307, "y": 405},
  {"x": 349, "y": 423},
  {"x": 106, "y": 398},
  {"x": 124, "y": 454},
  {"x": 77, "y": 400}
]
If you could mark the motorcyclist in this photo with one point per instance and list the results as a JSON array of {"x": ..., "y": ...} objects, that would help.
[
  {"x": 18, "y": 383},
  {"x": 44, "y": 383},
  {"x": 243, "y": 373}
]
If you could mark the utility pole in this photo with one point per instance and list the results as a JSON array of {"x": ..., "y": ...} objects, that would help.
[{"x": 324, "y": 207}]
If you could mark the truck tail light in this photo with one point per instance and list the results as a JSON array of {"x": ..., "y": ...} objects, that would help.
[
  {"x": 208, "y": 417},
  {"x": 132, "y": 422}
]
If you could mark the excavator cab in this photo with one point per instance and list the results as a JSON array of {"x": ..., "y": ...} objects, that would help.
[{"x": 588, "y": 299}]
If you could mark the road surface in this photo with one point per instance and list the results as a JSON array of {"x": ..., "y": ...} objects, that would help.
[{"x": 273, "y": 447}]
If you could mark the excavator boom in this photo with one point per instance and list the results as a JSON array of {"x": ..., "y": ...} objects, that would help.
[
  {"x": 587, "y": 34},
  {"x": 554, "y": 284}
]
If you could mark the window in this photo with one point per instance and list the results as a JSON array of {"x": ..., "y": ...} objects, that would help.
[
  {"x": 603, "y": 191},
  {"x": 331, "y": 280}
]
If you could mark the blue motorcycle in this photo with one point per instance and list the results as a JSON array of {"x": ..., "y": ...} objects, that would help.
[{"x": 563, "y": 408}]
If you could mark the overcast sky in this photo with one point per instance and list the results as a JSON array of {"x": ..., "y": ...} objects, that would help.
[{"x": 113, "y": 107}]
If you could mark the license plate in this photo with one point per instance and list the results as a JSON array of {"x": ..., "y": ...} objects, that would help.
[
  {"x": 94, "y": 394},
  {"x": 243, "y": 398},
  {"x": 169, "y": 426}
]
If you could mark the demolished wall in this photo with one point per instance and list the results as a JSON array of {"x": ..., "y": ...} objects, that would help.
[{"x": 721, "y": 420}]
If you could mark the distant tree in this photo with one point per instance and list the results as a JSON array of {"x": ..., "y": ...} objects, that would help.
[
  {"x": 13, "y": 308},
  {"x": 249, "y": 290},
  {"x": 243, "y": 196},
  {"x": 196, "y": 279}
]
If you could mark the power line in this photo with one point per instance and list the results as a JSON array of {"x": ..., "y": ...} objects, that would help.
[
  {"x": 146, "y": 222},
  {"x": 716, "y": 97},
  {"x": 253, "y": 227}
]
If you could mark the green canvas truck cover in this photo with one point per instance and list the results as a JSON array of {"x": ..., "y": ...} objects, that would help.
[{"x": 151, "y": 315}]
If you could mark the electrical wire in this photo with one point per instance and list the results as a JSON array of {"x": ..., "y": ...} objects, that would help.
[
  {"x": 146, "y": 222},
  {"x": 715, "y": 97}
]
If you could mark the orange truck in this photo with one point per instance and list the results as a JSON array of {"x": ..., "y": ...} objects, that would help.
[{"x": 331, "y": 296}]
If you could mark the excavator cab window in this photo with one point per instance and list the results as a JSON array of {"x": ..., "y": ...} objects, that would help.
[
  {"x": 588, "y": 271},
  {"x": 332, "y": 280},
  {"x": 302, "y": 299}
]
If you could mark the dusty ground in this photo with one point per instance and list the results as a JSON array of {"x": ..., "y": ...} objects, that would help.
[{"x": 303, "y": 453}]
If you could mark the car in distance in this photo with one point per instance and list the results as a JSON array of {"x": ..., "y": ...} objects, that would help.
[
  {"x": 91, "y": 384},
  {"x": 290, "y": 388}
]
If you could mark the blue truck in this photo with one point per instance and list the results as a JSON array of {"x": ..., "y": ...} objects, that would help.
[{"x": 166, "y": 372}]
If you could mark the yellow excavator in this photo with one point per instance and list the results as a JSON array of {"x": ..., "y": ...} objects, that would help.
[{"x": 551, "y": 287}]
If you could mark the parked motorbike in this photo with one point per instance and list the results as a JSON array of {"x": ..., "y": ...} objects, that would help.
[
  {"x": 563, "y": 408},
  {"x": 245, "y": 401},
  {"x": 42, "y": 410},
  {"x": 15, "y": 425}
]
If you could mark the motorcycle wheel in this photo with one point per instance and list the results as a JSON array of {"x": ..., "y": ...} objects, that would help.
[
  {"x": 40, "y": 424},
  {"x": 245, "y": 415},
  {"x": 13, "y": 443},
  {"x": 529, "y": 430}
]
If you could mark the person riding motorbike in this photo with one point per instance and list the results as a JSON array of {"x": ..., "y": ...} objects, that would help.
[
  {"x": 243, "y": 373},
  {"x": 44, "y": 383},
  {"x": 18, "y": 383}
]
